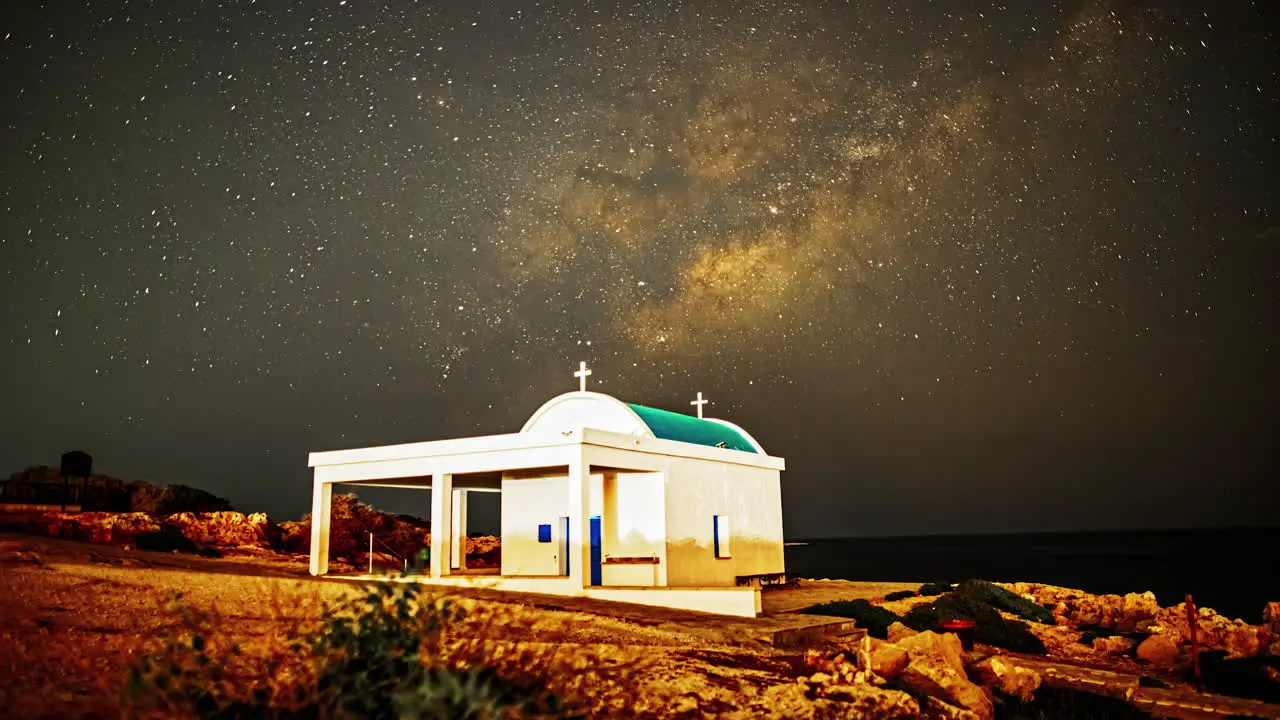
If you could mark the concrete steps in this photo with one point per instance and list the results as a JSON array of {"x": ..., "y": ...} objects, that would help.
[{"x": 804, "y": 631}]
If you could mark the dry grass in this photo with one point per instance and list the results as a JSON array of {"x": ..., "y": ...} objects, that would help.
[{"x": 73, "y": 627}]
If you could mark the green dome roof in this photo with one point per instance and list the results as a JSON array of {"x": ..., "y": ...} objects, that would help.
[{"x": 686, "y": 428}]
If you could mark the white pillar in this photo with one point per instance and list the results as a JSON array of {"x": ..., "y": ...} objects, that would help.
[
  {"x": 458, "y": 538},
  {"x": 579, "y": 521},
  {"x": 321, "y": 502},
  {"x": 441, "y": 527}
]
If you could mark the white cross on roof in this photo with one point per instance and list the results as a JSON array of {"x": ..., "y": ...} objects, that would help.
[
  {"x": 582, "y": 374},
  {"x": 700, "y": 402}
]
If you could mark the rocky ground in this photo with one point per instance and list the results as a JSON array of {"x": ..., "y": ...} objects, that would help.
[
  {"x": 74, "y": 617},
  {"x": 1110, "y": 644}
]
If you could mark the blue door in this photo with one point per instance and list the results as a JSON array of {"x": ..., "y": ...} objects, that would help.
[{"x": 595, "y": 551}]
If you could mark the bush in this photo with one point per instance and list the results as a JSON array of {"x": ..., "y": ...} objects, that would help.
[
  {"x": 991, "y": 628},
  {"x": 900, "y": 595},
  {"x": 875, "y": 620},
  {"x": 1002, "y": 599},
  {"x": 374, "y": 656},
  {"x": 168, "y": 539},
  {"x": 931, "y": 589}
]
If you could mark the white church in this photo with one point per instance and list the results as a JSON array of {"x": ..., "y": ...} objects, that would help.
[{"x": 600, "y": 498}]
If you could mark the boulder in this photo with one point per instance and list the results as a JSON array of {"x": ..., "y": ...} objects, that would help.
[
  {"x": 1118, "y": 613},
  {"x": 944, "y": 646},
  {"x": 1005, "y": 677},
  {"x": 887, "y": 659},
  {"x": 227, "y": 529},
  {"x": 932, "y": 675},
  {"x": 266, "y": 529},
  {"x": 1215, "y": 632},
  {"x": 1137, "y": 612},
  {"x": 1158, "y": 650},
  {"x": 1114, "y": 645},
  {"x": 1271, "y": 619},
  {"x": 897, "y": 631}
]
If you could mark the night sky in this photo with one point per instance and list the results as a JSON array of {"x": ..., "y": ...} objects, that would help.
[{"x": 967, "y": 270}]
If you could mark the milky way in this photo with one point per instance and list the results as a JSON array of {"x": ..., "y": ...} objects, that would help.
[{"x": 966, "y": 268}]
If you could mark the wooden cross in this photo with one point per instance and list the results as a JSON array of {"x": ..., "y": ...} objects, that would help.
[
  {"x": 700, "y": 402},
  {"x": 582, "y": 374}
]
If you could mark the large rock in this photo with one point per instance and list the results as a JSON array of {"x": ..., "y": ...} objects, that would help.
[
  {"x": 1215, "y": 632},
  {"x": 98, "y": 527},
  {"x": 266, "y": 529},
  {"x": 887, "y": 659},
  {"x": 931, "y": 675},
  {"x": 227, "y": 529},
  {"x": 1001, "y": 675},
  {"x": 1271, "y": 619},
  {"x": 898, "y": 631},
  {"x": 1137, "y": 612},
  {"x": 1115, "y": 645},
  {"x": 1117, "y": 613},
  {"x": 1158, "y": 650},
  {"x": 944, "y": 646}
]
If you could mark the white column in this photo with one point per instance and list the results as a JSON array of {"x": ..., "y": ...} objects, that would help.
[
  {"x": 321, "y": 502},
  {"x": 441, "y": 527},
  {"x": 458, "y": 539},
  {"x": 579, "y": 520}
]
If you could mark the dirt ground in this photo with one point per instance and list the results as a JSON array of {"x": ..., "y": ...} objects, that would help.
[{"x": 75, "y": 617}]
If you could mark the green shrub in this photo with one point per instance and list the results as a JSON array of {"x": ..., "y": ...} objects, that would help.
[
  {"x": 1002, "y": 599},
  {"x": 991, "y": 628},
  {"x": 931, "y": 589},
  {"x": 900, "y": 595},
  {"x": 874, "y": 620},
  {"x": 374, "y": 656}
]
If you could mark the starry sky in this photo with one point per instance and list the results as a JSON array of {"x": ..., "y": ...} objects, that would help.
[{"x": 969, "y": 267}]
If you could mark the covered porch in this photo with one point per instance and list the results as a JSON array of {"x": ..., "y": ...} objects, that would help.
[{"x": 451, "y": 469}]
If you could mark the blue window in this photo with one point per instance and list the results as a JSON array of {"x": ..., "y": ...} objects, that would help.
[
  {"x": 720, "y": 535},
  {"x": 544, "y": 533}
]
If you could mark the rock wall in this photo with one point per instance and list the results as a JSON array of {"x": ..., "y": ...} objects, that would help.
[{"x": 222, "y": 531}]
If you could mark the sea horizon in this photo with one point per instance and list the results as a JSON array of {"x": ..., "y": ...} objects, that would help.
[
  {"x": 1015, "y": 533},
  {"x": 1172, "y": 563}
]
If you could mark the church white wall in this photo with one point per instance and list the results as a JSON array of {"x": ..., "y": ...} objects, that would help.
[
  {"x": 532, "y": 500},
  {"x": 697, "y": 491},
  {"x": 634, "y": 526}
]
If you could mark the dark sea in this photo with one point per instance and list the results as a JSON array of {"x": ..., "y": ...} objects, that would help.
[{"x": 1235, "y": 572}]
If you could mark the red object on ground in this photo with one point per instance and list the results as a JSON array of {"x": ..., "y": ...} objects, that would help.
[{"x": 962, "y": 628}]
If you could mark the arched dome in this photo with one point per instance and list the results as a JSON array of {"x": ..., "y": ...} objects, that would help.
[{"x": 576, "y": 410}]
